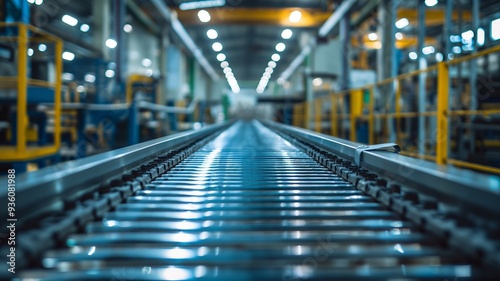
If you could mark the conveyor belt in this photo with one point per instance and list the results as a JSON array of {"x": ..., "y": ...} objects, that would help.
[{"x": 250, "y": 205}]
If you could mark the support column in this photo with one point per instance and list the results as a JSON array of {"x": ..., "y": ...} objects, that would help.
[
  {"x": 345, "y": 40},
  {"x": 386, "y": 58},
  {"x": 422, "y": 64},
  {"x": 118, "y": 35},
  {"x": 309, "y": 108},
  {"x": 473, "y": 72},
  {"x": 101, "y": 11}
]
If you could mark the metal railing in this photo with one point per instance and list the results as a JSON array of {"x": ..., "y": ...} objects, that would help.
[
  {"x": 24, "y": 35},
  {"x": 341, "y": 114}
]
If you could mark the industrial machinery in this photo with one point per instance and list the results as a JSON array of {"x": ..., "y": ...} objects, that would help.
[{"x": 250, "y": 200}]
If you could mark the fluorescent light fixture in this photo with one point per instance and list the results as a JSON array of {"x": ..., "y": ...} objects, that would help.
[
  {"x": 66, "y": 76},
  {"x": 89, "y": 78},
  {"x": 111, "y": 43},
  {"x": 42, "y": 47},
  {"x": 201, "y": 4},
  {"x": 224, "y": 64},
  {"x": 39, "y": 2},
  {"x": 128, "y": 28},
  {"x": 280, "y": 47},
  {"x": 286, "y": 34},
  {"x": 269, "y": 70},
  {"x": 455, "y": 38},
  {"x": 260, "y": 91},
  {"x": 399, "y": 35},
  {"x": 402, "y": 23},
  {"x": 495, "y": 29},
  {"x": 373, "y": 36},
  {"x": 31, "y": 1},
  {"x": 481, "y": 37},
  {"x": 227, "y": 70},
  {"x": 212, "y": 34},
  {"x": 217, "y": 46},
  {"x": 271, "y": 64},
  {"x": 428, "y": 50},
  {"x": 68, "y": 56},
  {"x": 413, "y": 55},
  {"x": 110, "y": 73},
  {"x": 295, "y": 16},
  {"x": 69, "y": 20},
  {"x": 221, "y": 57},
  {"x": 431, "y": 3},
  {"x": 84, "y": 27},
  {"x": 267, "y": 75},
  {"x": 275, "y": 57},
  {"x": 204, "y": 16},
  {"x": 146, "y": 62},
  {"x": 229, "y": 75},
  {"x": 456, "y": 50}
]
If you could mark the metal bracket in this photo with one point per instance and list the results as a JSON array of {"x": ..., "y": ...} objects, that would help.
[{"x": 383, "y": 146}]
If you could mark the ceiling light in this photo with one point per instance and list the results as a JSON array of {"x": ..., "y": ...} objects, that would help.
[
  {"x": 110, "y": 73},
  {"x": 269, "y": 70},
  {"x": 80, "y": 88},
  {"x": 146, "y": 62},
  {"x": 428, "y": 50},
  {"x": 495, "y": 29},
  {"x": 280, "y": 47},
  {"x": 227, "y": 70},
  {"x": 286, "y": 34},
  {"x": 31, "y": 1},
  {"x": 204, "y": 16},
  {"x": 267, "y": 75},
  {"x": 217, "y": 46},
  {"x": 295, "y": 16},
  {"x": 127, "y": 28},
  {"x": 402, "y": 23},
  {"x": 317, "y": 82},
  {"x": 194, "y": 5},
  {"x": 89, "y": 78},
  {"x": 42, "y": 47},
  {"x": 439, "y": 57},
  {"x": 399, "y": 35},
  {"x": 468, "y": 35},
  {"x": 456, "y": 50},
  {"x": 373, "y": 36},
  {"x": 111, "y": 43},
  {"x": 69, "y": 20},
  {"x": 413, "y": 55},
  {"x": 271, "y": 64},
  {"x": 30, "y": 52},
  {"x": 480, "y": 36},
  {"x": 84, "y": 28},
  {"x": 260, "y": 90},
  {"x": 68, "y": 56},
  {"x": 224, "y": 64},
  {"x": 221, "y": 57},
  {"x": 431, "y": 3},
  {"x": 229, "y": 75},
  {"x": 66, "y": 76},
  {"x": 281, "y": 81},
  {"x": 212, "y": 34},
  {"x": 39, "y": 2},
  {"x": 275, "y": 57}
]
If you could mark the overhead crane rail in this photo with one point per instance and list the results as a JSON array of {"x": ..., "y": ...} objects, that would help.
[{"x": 250, "y": 200}]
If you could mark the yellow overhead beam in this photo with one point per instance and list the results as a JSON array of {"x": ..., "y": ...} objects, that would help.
[
  {"x": 432, "y": 16},
  {"x": 256, "y": 16},
  {"x": 404, "y": 43}
]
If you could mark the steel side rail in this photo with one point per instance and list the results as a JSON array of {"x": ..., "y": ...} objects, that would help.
[
  {"x": 473, "y": 191},
  {"x": 52, "y": 185}
]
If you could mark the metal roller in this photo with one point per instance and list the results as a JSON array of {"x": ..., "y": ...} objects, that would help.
[{"x": 263, "y": 202}]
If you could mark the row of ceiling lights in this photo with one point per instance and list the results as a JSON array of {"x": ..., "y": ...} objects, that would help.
[
  {"x": 286, "y": 34},
  {"x": 212, "y": 34}
]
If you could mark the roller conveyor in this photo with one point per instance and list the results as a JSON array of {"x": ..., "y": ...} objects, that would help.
[{"x": 255, "y": 202}]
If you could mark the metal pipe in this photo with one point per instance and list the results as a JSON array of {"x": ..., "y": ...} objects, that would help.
[{"x": 422, "y": 64}]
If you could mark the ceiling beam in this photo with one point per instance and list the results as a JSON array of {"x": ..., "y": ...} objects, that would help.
[{"x": 256, "y": 16}]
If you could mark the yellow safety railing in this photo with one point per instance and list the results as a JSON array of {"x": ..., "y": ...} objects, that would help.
[
  {"x": 27, "y": 34},
  {"x": 350, "y": 108}
]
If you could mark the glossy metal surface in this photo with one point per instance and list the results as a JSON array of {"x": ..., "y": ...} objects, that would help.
[{"x": 251, "y": 206}]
